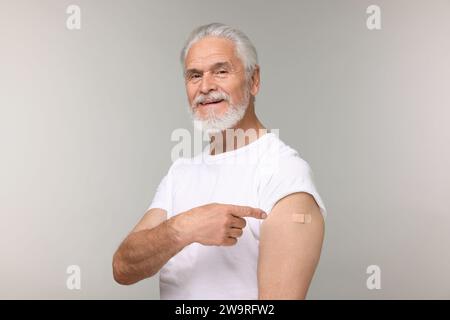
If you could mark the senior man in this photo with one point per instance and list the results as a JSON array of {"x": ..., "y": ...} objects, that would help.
[{"x": 241, "y": 220}]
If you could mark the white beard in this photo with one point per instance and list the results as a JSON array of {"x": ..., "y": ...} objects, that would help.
[{"x": 212, "y": 123}]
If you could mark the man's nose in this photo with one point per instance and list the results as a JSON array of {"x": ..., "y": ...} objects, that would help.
[{"x": 207, "y": 83}]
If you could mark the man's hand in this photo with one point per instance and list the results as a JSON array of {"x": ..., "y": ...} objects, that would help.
[{"x": 215, "y": 224}]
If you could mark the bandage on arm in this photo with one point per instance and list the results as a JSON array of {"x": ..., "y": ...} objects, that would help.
[
  {"x": 301, "y": 217},
  {"x": 290, "y": 244}
]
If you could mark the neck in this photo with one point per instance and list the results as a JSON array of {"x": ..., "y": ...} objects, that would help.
[{"x": 247, "y": 130}]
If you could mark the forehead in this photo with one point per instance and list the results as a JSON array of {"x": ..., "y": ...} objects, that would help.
[{"x": 209, "y": 51}]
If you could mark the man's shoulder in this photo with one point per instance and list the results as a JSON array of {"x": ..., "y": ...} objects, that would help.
[
  {"x": 284, "y": 159},
  {"x": 179, "y": 162}
]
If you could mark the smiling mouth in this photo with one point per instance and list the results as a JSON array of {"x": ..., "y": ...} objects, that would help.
[{"x": 210, "y": 103}]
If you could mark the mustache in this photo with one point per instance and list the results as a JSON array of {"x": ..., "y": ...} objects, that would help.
[{"x": 212, "y": 96}]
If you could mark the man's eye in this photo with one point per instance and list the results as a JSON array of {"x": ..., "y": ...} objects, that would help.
[
  {"x": 194, "y": 76},
  {"x": 221, "y": 72}
]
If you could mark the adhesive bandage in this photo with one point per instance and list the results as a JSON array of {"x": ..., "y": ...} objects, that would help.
[{"x": 301, "y": 218}]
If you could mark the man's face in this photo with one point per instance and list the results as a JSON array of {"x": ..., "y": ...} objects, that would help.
[{"x": 216, "y": 84}]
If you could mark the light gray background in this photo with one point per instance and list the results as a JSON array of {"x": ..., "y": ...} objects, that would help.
[{"x": 86, "y": 118}]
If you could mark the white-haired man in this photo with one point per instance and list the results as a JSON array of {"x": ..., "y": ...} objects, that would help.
[{"x": 221, "y": 226}]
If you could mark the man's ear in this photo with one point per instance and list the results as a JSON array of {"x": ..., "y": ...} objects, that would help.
[{"x": 255, "y": 81}]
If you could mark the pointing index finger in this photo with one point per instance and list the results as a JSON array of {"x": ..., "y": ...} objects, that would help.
[{"x": 245, "y": 211}]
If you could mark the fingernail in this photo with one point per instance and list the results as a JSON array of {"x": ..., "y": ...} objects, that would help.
[{"x": 264, "y": 215}]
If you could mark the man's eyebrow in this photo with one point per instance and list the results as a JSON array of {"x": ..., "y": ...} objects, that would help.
[
  {"x": 214, "y": 66},
  {"x": 190, "y": 71},
  {"x": 221, "y": 64}
]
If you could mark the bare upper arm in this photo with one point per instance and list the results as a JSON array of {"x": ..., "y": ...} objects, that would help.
[
  {"x": 151, "y": 219},
  {"x": 288, "y": 250}
]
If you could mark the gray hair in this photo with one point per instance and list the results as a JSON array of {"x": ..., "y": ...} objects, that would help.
[{"x": 244, "y": 47}]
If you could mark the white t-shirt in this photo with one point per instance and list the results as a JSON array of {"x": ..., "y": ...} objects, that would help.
[{"x": 257, "y": 175}]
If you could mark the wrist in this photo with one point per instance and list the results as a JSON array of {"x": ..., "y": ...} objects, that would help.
[{"x": 179, "y": 227}]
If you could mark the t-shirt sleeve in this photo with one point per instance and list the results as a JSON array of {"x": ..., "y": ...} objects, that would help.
[
  {"x": 292, "y": 174},
  {"x": 162, "y": 197}
]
